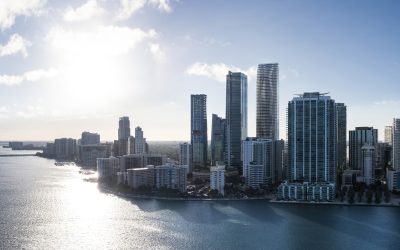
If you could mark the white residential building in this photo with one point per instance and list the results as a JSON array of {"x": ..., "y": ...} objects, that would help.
[{"x": 217, "y": 178}]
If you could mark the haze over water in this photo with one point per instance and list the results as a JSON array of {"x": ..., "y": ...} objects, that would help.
[{"x": 43, "y": 206}]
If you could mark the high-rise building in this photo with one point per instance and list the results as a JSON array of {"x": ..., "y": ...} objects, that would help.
[
  {"x": 65, "y": 148},
  {"x": 262, "y": 161},
  {"x": 341, "y": 118},
  {"x": 357, "y": 139},
  {"x": 312, "y": 140},
  {"x": 199, "y": 130},
  {"x": 388, "y": 134},
  {"x": 396, "y": 144},
  {"x": 139, "y": 177},
  {"x": 368, "y": 163},
  {"x": 217, "y": 139},
  {"x": 124, "y": 130},
  {"x": 217, "y": 178},
  {"x": 185, "y": 155},
  {"x": 140, "y": 141},
  {"x": 107, "y": 167},
  {"x": 267, "y": 101},
  {"x": 88, "y": 138},
  {"x": 131, "y": 145},
  {"x": 236, "y": 117},
  {"x": 90, "y": 153}
]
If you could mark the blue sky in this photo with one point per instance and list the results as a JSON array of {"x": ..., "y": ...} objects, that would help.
[{"x": 66, "y": 67}]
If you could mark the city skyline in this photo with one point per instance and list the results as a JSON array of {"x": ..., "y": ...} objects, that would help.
[{"x": 55, "y": 79}]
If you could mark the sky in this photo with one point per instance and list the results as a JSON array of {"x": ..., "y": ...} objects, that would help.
[{"x": 73, "y": 66}]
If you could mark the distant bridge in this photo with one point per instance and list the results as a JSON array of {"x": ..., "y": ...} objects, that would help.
[{"x": 13, "y": 155}]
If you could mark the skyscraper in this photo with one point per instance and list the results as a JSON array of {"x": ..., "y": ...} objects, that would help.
[
  {"x": 140, "y": 141},
  {"x": 357, "y": 139},
  {"x": 217, "y": 139},
  {"x": 236, "y": 117},
  {"x": 124, "y": 130},
  {"x": 262, "y": 161},
  {"x": 199, "y": 130},
  {"x": 185, "y": 155},
  {"x": 267, "y": 101},
  {"x": 396, "y": 144},
  {"x": 388, "y": 134},
  {"x": 341, "y": 119},
  {"x": 88, "y": 138},
  {"x": 312, "y": 138}
]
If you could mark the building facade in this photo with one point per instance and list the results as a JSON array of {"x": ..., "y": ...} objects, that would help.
[
  {"x": 396, "y": 144},
  {"x": 185, "y": 155},
  {"x": 140, "y": 141},
  {"x": 267, "y": 124},
  {"x": 141, "y": 160},
  {"x": 312, "y": 145},
  {"x": 341, "y": 119},
  {"x": 141, "y": 177},
  {"x": 88, "y": 138},
  {"x": 368, "y": 164},
  {"x": 217, "y": 178},
  {"x": 198, "y": 119},
  {"x": 90, "y": 153},
  {"x": 171, "y": 177},
  {"x": 388, "y": 134},
  {"x": 266, "y": 153},
  {"x": 357, "y": 139},
  {"x": 236, "y": 118},
  {"x": 217, "y": 139},
  {"x": 65, "y": 149},
  {"x": 107, "y": 167}
]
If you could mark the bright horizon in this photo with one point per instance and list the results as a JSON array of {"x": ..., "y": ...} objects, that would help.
[{"x": 71, "y": 67}]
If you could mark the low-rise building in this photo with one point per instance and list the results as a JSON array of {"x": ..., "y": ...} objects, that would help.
[
  {"x": 171, "y": 176},
  {"x": 139, "y": 177},
  {"x": 306, "y": 192},
  {"x": 217, "y": 178}
]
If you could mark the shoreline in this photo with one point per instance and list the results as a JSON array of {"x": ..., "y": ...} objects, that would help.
[{"x": 272, "y": 201}]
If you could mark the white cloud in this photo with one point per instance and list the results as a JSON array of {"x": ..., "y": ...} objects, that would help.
[
  {"x": 29, "y": 76},
  {"x": 157, "y": 52},
  {"x": 16, "y": 44},
  {"x": 130, "y": 7},
  {"x": 162, "y": 5},
  {"x": 10, "y": 9},
  {"x": 84, "y": 12},
  {"x": 218, "y": 71},
  {"x": 105, "y": 40}
]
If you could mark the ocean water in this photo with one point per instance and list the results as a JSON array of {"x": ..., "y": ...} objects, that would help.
[{"x": 43, "y": 206}]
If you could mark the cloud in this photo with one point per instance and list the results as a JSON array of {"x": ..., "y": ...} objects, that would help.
[
  {"x": 162, "y": 5},
  {"x": 16, "y": 44},
  {"x": 10, "y": 9},
  {"x": 84, "y": 12},
  {"x": 130, "y": 7},
  {"x": 29, "y": 76},
  {"x": 157, "y": 52},
  {"x": 105, "y": 40},
  {"x": 218, "y": 71}
]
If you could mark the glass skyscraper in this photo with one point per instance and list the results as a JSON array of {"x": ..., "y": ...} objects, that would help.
[
  {"x": 236, "y": 117},
  {"x": 341, "y": 118},
  {"x": 199, "y": 130},
  {"x": 267, "y": 101},
  {"x": 217, "y": 139},
  {"x": 312, "y": 138}
]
